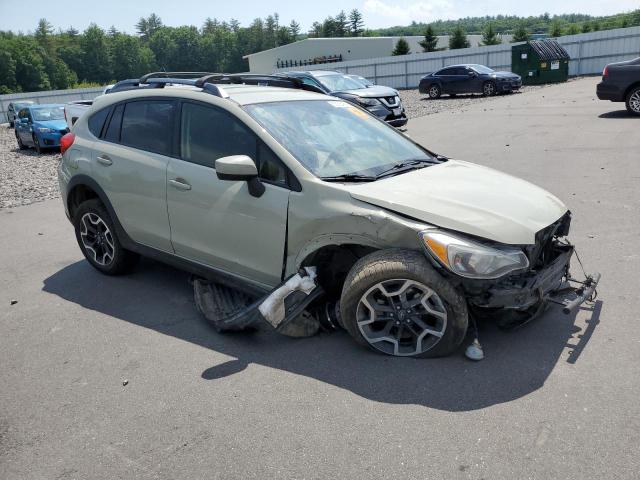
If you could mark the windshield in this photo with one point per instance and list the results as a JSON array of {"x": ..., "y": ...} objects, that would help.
[
  {"x": 20, "y": 105},
  {"x": 333, "y": 138},
  {"x": 481, "y": 69},
  {"x": 338, "y": 82},
  {"x": 362, "y": 80},
  {"x": 48, "y": 113}
]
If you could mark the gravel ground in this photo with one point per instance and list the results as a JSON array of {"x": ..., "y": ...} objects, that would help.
[
  {"x": 26, "y": 176},
  {"x": 418, "y": 104}
]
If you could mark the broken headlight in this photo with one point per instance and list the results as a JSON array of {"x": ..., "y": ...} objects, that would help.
[{"x": 472, "y": 259}]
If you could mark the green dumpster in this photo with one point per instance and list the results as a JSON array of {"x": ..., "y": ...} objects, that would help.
[{"x": 540, "y": 61}]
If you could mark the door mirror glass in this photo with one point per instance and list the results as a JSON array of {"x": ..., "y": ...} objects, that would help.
[{"x": 236, "y": 167}]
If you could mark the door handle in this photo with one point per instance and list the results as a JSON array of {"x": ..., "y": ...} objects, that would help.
[
  {"x": 104, "y": 160},
  {"x": 180, "y": 184}
]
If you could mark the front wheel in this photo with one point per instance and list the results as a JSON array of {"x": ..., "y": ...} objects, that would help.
[
  {"x": 394, "y": 302},
  {"x": 633, "y": 101},
  {"x": 36, "y": 144},
  {"x": 97, "y": 238},
  {"x": 489, "y": 89},
  {"x": 435, "y": 91},
  {"x": 21, "y": 145}
]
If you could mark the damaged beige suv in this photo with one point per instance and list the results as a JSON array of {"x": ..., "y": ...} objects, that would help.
[{"x": 287, "y": 204}]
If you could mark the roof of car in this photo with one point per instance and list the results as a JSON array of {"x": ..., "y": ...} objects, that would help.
[
  {"x": 240, "y": 94},
  {"x": 313, "y": 73}
]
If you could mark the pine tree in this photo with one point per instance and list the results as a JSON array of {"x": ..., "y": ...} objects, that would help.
[
  {"x": 402, "y": 48},
  {"x": 458, "y": 39},
  {"x": 573, "y": 29},
  {"x": 520, "y": 34},
  {"x": 342, "y": 26},
  {"x": 586, "y": 28},
  {"x": 294, "y": 30},
  {"x": 489, "y": 36},
  {"x": 430, "y": 42},
  {"x": 356, "y": 23}
]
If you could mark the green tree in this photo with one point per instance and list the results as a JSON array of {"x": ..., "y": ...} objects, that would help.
[
  {"x": 430, "y": 42},
  {"x": 96, "y": 63},
  {"x": 294, "y": 30},
  {"x": 572, "y": 29},
  {"x": 489, "y": 36},
  {"x": 341, "y": 24},
  {"x": 7, "y": 71},
  {"x": 356, "y": 23},
  {"x": 555, "y": 30},
  {"x": 401, "y": 48},
  {"x": 458, "y": 39},
  {"x": 521, "y": 34}
]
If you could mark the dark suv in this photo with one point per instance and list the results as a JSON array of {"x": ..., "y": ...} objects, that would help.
[
  {"x": 383, "y": 102},
  {"x": 621, "y": 83}
]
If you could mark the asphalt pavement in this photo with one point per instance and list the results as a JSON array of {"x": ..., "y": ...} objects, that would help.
[{"x": 119, "y": 378}]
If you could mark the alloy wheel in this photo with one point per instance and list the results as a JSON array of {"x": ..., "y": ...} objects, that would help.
[
  {"x": 489, "y": 88},
  {"x": 401, "y": 317},
  {"x": 97, "y": 239},
  {"x": 434, "y": 91},
  {"x": 634, "y": 101}
]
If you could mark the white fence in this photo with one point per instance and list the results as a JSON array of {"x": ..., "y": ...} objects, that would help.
[
  {"x": 51, "y": 96},
  {"x": 589, "y": 52}
]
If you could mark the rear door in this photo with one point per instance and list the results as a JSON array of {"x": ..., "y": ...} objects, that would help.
[
  {"x": 447, "y": 79},
  {"x": 217, "y": 222},
  {"x": 460, "y": 81},
  {"x": 130, "y": 160},
  {"x": 24, "y": 130}
]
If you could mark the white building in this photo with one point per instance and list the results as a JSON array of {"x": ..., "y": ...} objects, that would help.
[{"x": 340, "y": 49}]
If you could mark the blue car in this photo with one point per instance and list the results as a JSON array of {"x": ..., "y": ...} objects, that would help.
[{"x": 40, "y": 126}]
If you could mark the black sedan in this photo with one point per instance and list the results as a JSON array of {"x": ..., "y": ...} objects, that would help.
[
  {"x": 468, "y": 78},
  {"x": 621, "y": 83}
]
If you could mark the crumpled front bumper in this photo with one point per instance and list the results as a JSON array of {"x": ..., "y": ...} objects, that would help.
[{"x": 522, "y": 292}]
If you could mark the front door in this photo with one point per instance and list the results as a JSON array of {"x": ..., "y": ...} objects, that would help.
[{"x": 218, "y": 222}]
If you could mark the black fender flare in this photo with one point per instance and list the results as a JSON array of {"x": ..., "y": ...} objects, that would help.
[{"x": 87, "y": 181}]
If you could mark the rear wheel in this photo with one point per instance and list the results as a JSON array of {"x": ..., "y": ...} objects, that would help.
[
  {"x": 394, "y": 302},
  {"x": 435, "y": 91},
  {"x": 489, "y": 89},
  {"x": 633, "y": 101},
  {"x": 97, "y": 238}
]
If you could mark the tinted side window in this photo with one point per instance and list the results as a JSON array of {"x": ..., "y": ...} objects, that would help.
[
  {"x": 447, "y": 71},
  {"x": 97, "y": 121},
  {"x": 112, "y": 134},
  {"x": 147, "y": 125},
  {"x": 208, "y": 133}
]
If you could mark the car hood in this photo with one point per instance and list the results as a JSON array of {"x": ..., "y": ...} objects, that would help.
[
  {"x": 505, "y": 75},
  {"x": 54, "y": 124},
  {"x": 467, "y": 198},
  {"x": 376, "y": 91}
]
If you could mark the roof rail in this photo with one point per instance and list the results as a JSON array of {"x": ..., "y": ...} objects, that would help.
[
  {"x": 209, "y": 82},
  {"x": 194, "y": 75},
  {"x": 280, "y": 80}
]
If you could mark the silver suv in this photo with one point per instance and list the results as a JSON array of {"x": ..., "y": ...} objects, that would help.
[{"x": 245, "y": 185}]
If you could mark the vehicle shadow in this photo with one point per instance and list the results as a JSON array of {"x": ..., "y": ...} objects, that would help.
[
  {"x": 159, "y": 298},
  {"x": 616, "y": 114},
  {"x": 462, "y": 96}
]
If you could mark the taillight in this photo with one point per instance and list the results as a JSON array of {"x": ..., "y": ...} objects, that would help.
[
  {"x": 66, "y": 141},
  {"x": 605, "y": 72}
]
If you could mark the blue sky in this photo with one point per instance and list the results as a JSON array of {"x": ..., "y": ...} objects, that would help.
[{"x": 23, "y": 15}]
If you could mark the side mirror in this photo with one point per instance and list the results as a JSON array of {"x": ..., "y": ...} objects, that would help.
[
  {"x": 473, "y": 74},
  {"x": 240, "y": 168},
  {"x": 24, "y": 120}
]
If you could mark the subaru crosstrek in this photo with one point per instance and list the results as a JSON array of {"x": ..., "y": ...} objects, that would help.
[{"x": 246, "y": 185}]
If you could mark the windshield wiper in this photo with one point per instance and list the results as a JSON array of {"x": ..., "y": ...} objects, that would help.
[
  {"x": 403, "y": 166},
  {"x": 350, "y": 177}
]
